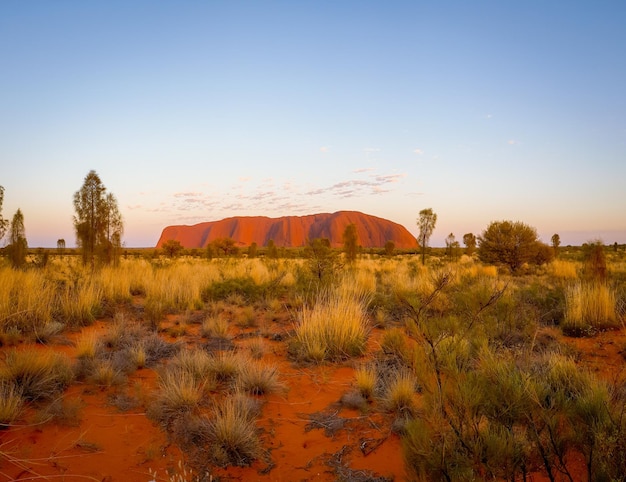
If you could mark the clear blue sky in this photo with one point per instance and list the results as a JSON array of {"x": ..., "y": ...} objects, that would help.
[{"x": 193, "y": 111}]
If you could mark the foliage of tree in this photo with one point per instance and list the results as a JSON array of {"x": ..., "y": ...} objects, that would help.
[
  {"x": 61, "y": 245},
  {"x": 350, "y": 242},
  {"x": 252, "y": 250},
  {"x": 426, "y": 223},
  {"x": 225, "y": 247},
  {"x": 98, "y": 222},
  {"x": 556, "y": 242},
  {"x": 469, "y": 240},
  {"x": 18, "y": 246},
  {"x": 4, "y": 223},
  {"x": 594, "y": 260},
  {"x": 511, "y": 244},
  {"x": 390, "y": 246},
  {"x": 272, "y": 250},
  {"x": 323, "y": 262},
  {"x": 172, "y": 248},
  {"x": 452, "y": 246}
]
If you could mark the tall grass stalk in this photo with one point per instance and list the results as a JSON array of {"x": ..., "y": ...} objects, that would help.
[
  {"x": 335, "y": 327},
  {"x": 589, "y": 307}
]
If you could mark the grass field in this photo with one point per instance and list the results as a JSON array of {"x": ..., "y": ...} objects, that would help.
[{"x": 196, "y": 369}]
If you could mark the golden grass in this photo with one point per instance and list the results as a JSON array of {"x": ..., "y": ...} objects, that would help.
[
  {"x": 87, "y": 346},
  {"x": 37, "y": 374},
  {"x": 365, "y": 379},
  {"x": 400, "y": 394},
  {"x": 11, "y": 403},
  {"x": 215, "y": 326},
  {"x": 589, "y": 307},
  {"x": 335, "y": 327},
  {"x": 234, "y": 435},
  {"x": 258, "y": 378},
  {"x": 563, "y": 269}
]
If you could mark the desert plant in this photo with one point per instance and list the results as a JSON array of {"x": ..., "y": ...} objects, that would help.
[
  {"x": 215, "y": 326},
  {"x": 400, "y": 394},
  {"x": 37, "y": 374},
  {"x": 11, "y": 403},
  {"x": 258, "y": 378},
  {"x": 232, "y": 433},
  {"x": 589, "y": 307},
  {"x": 179, "y": 394},
  {"x": 335, "y": 327},
  {"x": 365, "y": 379}
]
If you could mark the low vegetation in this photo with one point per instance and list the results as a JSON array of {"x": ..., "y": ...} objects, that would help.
[{"x": 463, "y": 360}]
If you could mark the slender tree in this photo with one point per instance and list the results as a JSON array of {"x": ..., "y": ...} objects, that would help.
[
  {"x": 469, "y": 240},
  {"x": 18, "y": 245},
  {"x": 350, "y": 242},
  {"x": 556, "y": 242},
  {"x": 4, "y": 223},
  {"x": 426, "y": 223},
  {"x": 61, "y": 245},
  {"x": 98, "y": 222},
  {"x": 452, "y": 246}
]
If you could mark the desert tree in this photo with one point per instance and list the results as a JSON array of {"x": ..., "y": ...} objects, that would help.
[
  {"x": 252, "y": 250},
  {"x": 350, "y": 242},
  {"x": 556, "y": 242},
  {"x": 390, "y": 246},
  {"x": 272, "y": 250},
  {"x": 594, "y": 261},
  {"x": 323, "y": 262},
  {"x": 511, "y": 244},
  {"x": 4, "y": 223},
  {"x": 452, "y": 246},
  {"x": 426, "y": 223},
  {"x": 172, "y": 248},
  {"x": 61, "y": 245},
  {"x": 225, "y": 246},
  {"x": 18, "y": 245},
  {"x": 97, "y": 221},
  {"x": 469, "y": 240}
]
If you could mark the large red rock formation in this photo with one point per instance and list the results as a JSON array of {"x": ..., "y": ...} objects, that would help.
[{"x": 292, "y": 231}]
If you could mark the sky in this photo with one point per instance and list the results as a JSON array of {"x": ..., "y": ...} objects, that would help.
[{"x": 193, "y": 111}]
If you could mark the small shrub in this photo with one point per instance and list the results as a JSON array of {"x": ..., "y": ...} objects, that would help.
[
  {"x": 335, "y": 328},
  {"x": 179, "y": 394},
  {"x": 11, "y": 403},
  {"x": 36, "y": 374},
  {"x": 233, "y": 435},
  {"x": 589, "y": 307},
  {"x": 394, "y": 343},
  {"x": 400, "y": 394},
  {"x": 215, "y": 326},
  {"x": 258, "y": 378},
  {"x": 365, "y": 378}
]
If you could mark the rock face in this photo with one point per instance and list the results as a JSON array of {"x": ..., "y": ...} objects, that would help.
[{"x": 292, "y": 231}]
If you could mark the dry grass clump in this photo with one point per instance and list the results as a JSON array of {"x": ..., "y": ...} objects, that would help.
[
  {"x": 589, "y": 307},
  {"x": 11, "y": 403},
  {"x": 37, "y": 374},
  {"x": 215, "y": 326},
  {"x": 27, "y": 301},
  {"x": 233, "y": 435},
  {"x": 87, "y": 346},
  {"x": 81, "y": 303},
  {"x": 196, "y": 363},
  {"x": 365, "y": 379},
  {"x": 179, "y": 394},
  {"x": 258, "y": 378},
  {"x": 394, "y": 343},
  {"x": 334, "y": 328},
  {"x": 563, "y": 269},
  {"x": 400, "y": 394},
  {"x": 226, "y": 366}
]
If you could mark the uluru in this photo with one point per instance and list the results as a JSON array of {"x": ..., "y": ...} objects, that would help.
[{"x": 292, "y": 231}]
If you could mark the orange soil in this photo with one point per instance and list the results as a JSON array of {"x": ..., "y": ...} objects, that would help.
[{"x": 105, "y": 444}]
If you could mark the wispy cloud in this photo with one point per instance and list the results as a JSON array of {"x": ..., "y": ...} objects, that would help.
[
  {"x": 419, "y": 152},
  {"x": 324, "y": 148}
]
